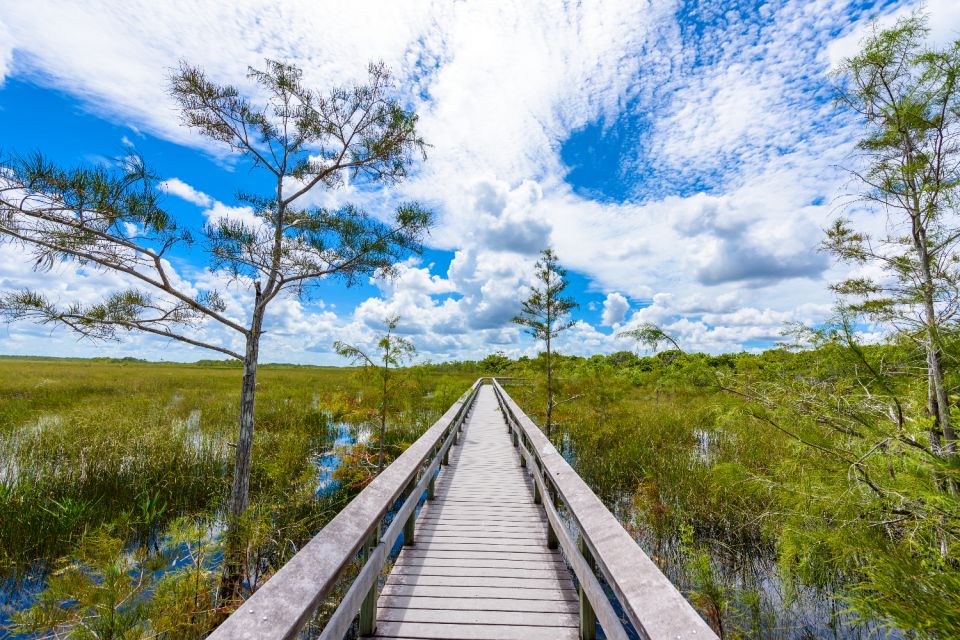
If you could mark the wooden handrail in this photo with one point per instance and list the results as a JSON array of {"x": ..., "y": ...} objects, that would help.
[
  {"x": 285, "y": 603},
  {"x": 655, "y": 608}
]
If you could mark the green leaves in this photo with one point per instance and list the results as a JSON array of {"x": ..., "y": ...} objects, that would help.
[
  {"x": 545, "y": 310},
  {"x": 650, "y": 335}
]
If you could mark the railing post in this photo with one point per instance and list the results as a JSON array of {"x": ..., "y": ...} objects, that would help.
[
  {"x": 588, "y": 617},
  {"x": 523, "y": 446},
  {"x": 537, "y": 498},
  {"x": 368, "y": 608},
  {"x": 410, "y": 525},
  {"x": 552, "y": 541}
]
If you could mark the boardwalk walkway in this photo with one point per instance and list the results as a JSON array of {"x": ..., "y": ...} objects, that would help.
[
  {"x": 483, "y": 559},
  {"x": 480, "y": 567}
]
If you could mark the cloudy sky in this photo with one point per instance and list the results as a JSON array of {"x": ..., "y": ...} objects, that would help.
[{"x": 681, "y": 157}]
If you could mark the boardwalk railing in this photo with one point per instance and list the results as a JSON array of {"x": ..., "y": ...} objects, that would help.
[
  {"x": 286, "y": 603},
  {"x": 652, "y": 604}
]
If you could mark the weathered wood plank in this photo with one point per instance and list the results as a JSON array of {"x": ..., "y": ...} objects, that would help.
[
  {"x": 502, "y": 572},
  {"x": 472, "y": 632},
  {"x": 479, "y": 554},
  {"x": 453, "y": 616},
  {"x": 490, "y": 562},
  {"x": 478, "y": 604},
  {"x": 427, "y": 580}
]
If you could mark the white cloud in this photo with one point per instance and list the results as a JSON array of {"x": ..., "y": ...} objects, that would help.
[
  {"x": 181, "y": 189},
  {"x": 6, "y": 51},
  {"x": 741, "y": 113},
  {"x": 615, "y": 308},
  {"x": 944, "y": 23}
]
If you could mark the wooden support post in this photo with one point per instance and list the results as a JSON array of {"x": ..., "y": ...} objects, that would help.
[
  {"x": 552, "y": 542},
  {"x": 432, "y": 489},
  {"x": 516, "y": 440},
  {"x": 410, "y": 525},
  {"x": 588, "y": 618},
  {"x": 368, "y": 608},
  {"x": 537, "y": 498},
  {"x": 446, "y": 457}
]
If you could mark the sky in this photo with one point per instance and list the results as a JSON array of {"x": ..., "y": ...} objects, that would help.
[{"x": 682, "y": 158}]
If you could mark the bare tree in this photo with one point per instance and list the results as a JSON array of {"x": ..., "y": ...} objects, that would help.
[
  {"x": 394, "y": 351},
  {"x": 114, "y": 220},
  {"x": 545, "y": 314}
]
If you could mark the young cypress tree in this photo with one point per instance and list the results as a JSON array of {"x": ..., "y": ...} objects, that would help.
[
  {"x": 114, "y": 221},
  {"x": 545, "y": 314}
]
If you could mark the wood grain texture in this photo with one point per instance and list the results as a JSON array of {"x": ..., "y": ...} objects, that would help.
[{"x": 480, "y": 568}]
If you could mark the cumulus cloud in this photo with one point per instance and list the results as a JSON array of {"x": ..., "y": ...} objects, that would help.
[
  {"x": 734, "y": 167},
  {"x": 615, "y": 308}
]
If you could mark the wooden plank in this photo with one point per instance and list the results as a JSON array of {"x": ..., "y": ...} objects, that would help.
[
  {"x": 429, "y": 631},
  {"x": 477, "y": 554},
  {"x": 540, "y": 571},
  {"x": 492, "y": 562},
  {"x": 512, "y": 593},
  {"x": 427, "y": 580},
  {"x": 453, "y": 616},
  {"x": 478, "y": 604},
  {"x": 482, "y": 533},
  {"x": 434, "y": 538}
]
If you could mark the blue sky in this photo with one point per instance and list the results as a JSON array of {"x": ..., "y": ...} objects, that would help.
[{"x": 681, "y": 157}]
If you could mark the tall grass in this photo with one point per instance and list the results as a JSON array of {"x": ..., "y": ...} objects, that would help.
[{"x": 131, "y": 446}]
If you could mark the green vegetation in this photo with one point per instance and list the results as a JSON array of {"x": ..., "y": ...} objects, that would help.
[
  {"x": 108, "y": 466},
  {"x": 113, "y": 219},
  {"x": 791, "y": 466}
]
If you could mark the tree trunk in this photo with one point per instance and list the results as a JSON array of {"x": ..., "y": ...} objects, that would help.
[
  {"x": 240, "y": 492},
  {"x": 232, "y": 578},
  {"x": 937, "y": 391},
  {"x": 549, "y": 388},
  {"x": 383, "y": 425}
]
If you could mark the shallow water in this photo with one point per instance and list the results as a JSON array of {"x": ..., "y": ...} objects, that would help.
[{"x": 19, "y": 592}]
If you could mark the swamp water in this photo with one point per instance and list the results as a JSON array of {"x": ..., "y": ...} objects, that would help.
[
  {"x": 18, "y": 592},
  {"x": 760, "y": 604}
]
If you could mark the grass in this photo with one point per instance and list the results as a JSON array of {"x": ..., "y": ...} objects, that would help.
[{"x": 129, "y": 447}]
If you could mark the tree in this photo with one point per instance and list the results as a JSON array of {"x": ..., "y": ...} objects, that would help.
[
  {"x": 861, "y": 497},
  {"x": 114, "y": 220},
  {"x": 394, "y": 351},
  {"x": 906, "y": 95},
  {"x": 495, "y": 363},
  {"x": 650, "y": 335},
  {"x": 545, "y": 313}
]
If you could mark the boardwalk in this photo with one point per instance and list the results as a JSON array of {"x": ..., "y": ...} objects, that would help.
[
  {"x": 483, "y": 559},
  {"x": 480, "y": 567}
]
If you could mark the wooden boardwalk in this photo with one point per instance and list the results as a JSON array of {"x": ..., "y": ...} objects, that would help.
[{"x": 480, "y": 567}]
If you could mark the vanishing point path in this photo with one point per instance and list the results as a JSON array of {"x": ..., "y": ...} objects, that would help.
[
  {"x": 501, "y": 540},
  {"x": 479, "y": 566}
]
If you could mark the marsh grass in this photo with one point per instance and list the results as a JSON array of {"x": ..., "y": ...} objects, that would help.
[
  {"x": 695, "y": 481},
  {"x": 119, "y": 450}
]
